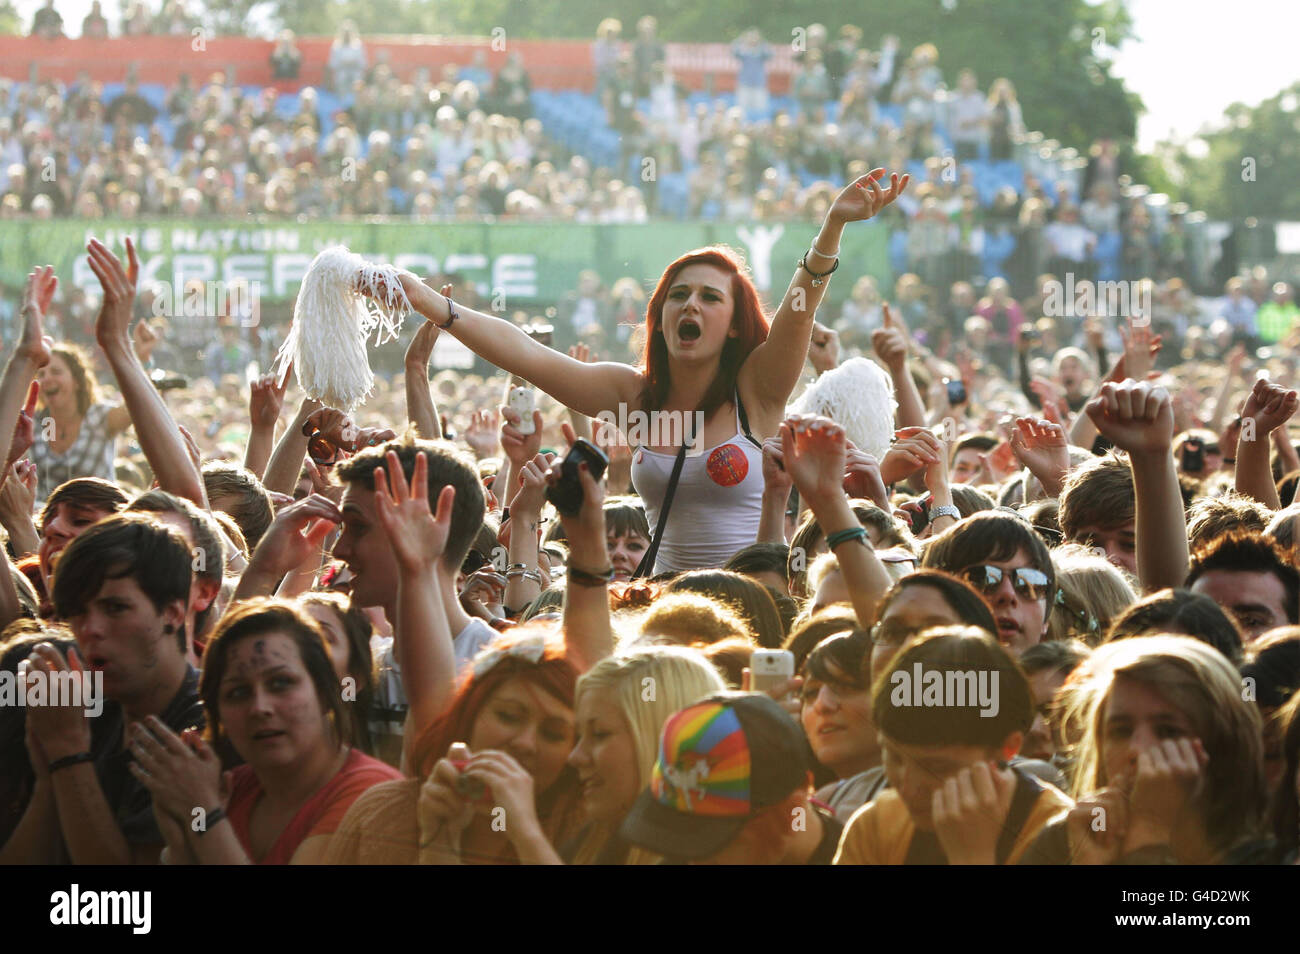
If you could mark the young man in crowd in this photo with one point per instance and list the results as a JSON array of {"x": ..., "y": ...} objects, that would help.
[
  {"x": 1249, "y": 576},
  {"x": 123, "y": 586}
]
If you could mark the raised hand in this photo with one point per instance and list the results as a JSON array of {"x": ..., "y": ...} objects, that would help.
[
  {"x": 517, "y": 446},
  {"x": 420, "y": 350},
  {"x": 824, "y": 349},
  {"x": 25, "y": 429},
  {"x": 914, "y": 449},
  {"x": 481, "y": 433},
  {"x": 296, "y": 534},
  {"x": 891, "y": 342},
  {"x": 33, "y": 344},
  {"x": 146, "y": 339},
  {"x": 417, "y": 537},
  {"x": 1169, "y": 775},
  {"x": 1135, "y": 416},
  {"x": 776, "y": 480},
  {"x": 1268, "y": 407},
  {"x": 530, "y": 496},
  {"x": 585, "y": 530},
  {"x": 1042, "y": 447},
  {"x": 968, "y": 811},
  {"x": 862, "y": 478},
  {"x": 1140, "y": 348},
  {"x": 265, "y": 401},
  {"x": 181, "y": 772},
  {"x": 1096, "y": 827},
  {"x": 114, "y": 321},
  {"x": 863, "y": 198},
  {"x": 814, "y": 450},
  {"x": 580, "y": 352},
  {"x": 61, "y": 730},
  {"x": 18, "y": 495},
  {"x": 339, "y": 429}
]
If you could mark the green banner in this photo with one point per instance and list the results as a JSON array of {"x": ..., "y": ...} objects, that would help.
[{"x": 528, "y": 262}]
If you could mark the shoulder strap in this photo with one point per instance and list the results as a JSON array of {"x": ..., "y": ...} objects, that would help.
[
  {"x": 647, "y": 563},
  {"x": 744, "y": 421},
  {"x": 1022, "y": 803}
]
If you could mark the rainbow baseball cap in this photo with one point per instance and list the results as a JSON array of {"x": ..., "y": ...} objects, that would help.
[{"x": 721, "y": 762}]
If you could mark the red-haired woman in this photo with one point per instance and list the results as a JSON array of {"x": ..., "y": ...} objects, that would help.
[{"x": 710, "y": 355}]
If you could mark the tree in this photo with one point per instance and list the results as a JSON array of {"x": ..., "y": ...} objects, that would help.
[{"x": 1244, "y": 167}]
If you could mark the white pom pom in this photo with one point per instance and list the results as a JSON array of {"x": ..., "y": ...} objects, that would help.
[
  {"x": 859, "y": 397},
  {"x": 343, "y": 299}
]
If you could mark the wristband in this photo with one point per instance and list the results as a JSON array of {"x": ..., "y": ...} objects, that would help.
[
  {"x": 68, "y": 760},
  {"x": 813, "y": 247},
  {"x": 583, "y": 578},
  {"x": 533, "y": 575},
  {"x": 819, "y": 278},
  {"x": 212, "y": 818},
  {"x": 843, "y": 536},
  {"x": 451, "y": 307}
]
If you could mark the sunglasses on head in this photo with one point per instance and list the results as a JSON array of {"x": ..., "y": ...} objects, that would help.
[{"x": 1027, "y": 582}]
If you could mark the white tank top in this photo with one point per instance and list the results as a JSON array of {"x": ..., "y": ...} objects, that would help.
[{"x": 716, "y": 508}]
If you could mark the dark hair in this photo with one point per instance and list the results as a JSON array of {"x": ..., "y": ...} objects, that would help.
[
  {"x": 1281, "y": 527},
  {"x": 826, "y": 622},
  {"x": 261, "y": 617},
  {"x": 152, "y": 554},
  {"x": 85, "y": 492},
  {"x": 994, "y": 535},
  {"x": 447, "y": 465},
  {"x": 761, "y": 558},
  {"x": 751, "y": 599},
  {"x": 252, "y": 509},
  {"x": 1180, "y": 611},
  {"x": 624, "y": 516},
  {"x": 357, "y": 629},
  {"x": 957, "y": 653},
  {"x": 747, "y": 319},
  {"x": 1274, "y": 663},
  {"x": 977, "y": 442},
  {"x": 850, "y": 653},
  {"x": 1059, "y": 656},
  {"x": 1244, "y": 551},
  {"x": 957, "y": 593}
]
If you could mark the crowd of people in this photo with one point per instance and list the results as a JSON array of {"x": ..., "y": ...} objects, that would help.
[{"x": 427, "y": 630}]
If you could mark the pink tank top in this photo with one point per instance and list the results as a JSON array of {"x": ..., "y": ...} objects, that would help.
[{"x": 716, "y": 508}]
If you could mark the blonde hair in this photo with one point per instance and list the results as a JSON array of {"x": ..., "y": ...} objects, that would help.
[
  {"x": 1199, "y": 681},
  {"x": 1089, "y": 583},
  {"x": 647, "y": 685}
]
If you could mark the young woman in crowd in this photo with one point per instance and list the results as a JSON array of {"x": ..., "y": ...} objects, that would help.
[
  {"x": 1172, "y": 755},
  {"x": 270, "y": 688},
  {"x": 347, "y": 631},
  {"x": 709, "y": 352}
]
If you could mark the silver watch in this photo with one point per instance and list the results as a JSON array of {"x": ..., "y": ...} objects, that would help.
[{"x": 946, "y": 510}]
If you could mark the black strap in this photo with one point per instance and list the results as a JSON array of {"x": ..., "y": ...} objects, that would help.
[
  {"x": 1022, "y": 803},
  {"x": 744, "y": 421},
  {"x": 648, "y": 560}
]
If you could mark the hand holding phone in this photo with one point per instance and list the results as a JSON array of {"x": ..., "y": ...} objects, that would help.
[{"x": 566, "y": 494}]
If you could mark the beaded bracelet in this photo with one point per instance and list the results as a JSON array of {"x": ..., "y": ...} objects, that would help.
[
  {"x": 843, "y": 536},
  {"x": 819, "y": 278}
]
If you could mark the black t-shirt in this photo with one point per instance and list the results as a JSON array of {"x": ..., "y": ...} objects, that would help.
[
  {"x": 130, "y": 802},
  {"x": 832, "y": 829}
]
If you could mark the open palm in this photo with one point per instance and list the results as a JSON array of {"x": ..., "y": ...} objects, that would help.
[
  {"x": 417, "y": 537},
  {"x": 863, "y": 198}
]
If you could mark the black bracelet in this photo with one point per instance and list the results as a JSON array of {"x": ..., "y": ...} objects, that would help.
[
  {"x": 583, "y": 578},
  {"x": 71, "y": 760},
  {"x": 451, "y": 307},
  {"x": 819, "y": 278},
  {"x": 213, "y": 817}
]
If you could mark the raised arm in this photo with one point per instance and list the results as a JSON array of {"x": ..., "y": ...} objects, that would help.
[
  {"x": 814, "y": 450},
  {"x": 587, "y": 388},
  {"x": 286, "y": 460},
  {"x": 163, "y": 446},
  {"x": 522, "y": 575},
  {"x": 1267, "y": 409},
  {"x": 420, "y": 408},
  {"x": 587, "y": 630},
  {"x": 772, "y": 370},
  {"x": 892, "y": 344},
  {"x": 1137, "y": 417},
  {"x": 418, "y": 538},
  {"x": 265, "y": 401}
]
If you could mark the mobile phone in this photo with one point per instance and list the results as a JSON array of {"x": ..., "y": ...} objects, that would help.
[
  {"x": 567, "y": 495},
  {"x": 474, "y": 790},
  {"x": 1193, "y": 455},
  {"x": 919, "y": 514},
  {"x": 956, "y": 391},
  {"x": 770, "y": 667},
  {"x": 523, "y": 400}
]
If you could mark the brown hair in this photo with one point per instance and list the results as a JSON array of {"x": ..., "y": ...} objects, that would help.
[
  {"x": 1097, "y": 494},
  {"x": 252, "y": 508}
]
